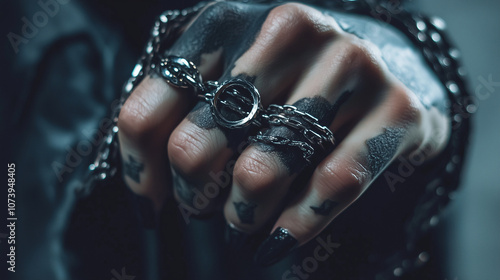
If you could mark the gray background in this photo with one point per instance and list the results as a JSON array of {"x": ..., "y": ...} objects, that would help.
[{"x": 472, "y": 223}]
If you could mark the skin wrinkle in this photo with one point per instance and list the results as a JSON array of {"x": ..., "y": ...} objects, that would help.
[{"x": 231, "y": 30}]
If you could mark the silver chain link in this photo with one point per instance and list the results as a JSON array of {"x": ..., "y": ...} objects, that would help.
[
  {"x": 165, "y": 30},
  {"x": 182, "y": 73},
  {"x": 315, "y": 133}
]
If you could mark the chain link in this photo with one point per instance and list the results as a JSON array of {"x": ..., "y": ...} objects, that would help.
[
  {"x": 165, "y": 30},
  {"x": 307, "y": 150},
  {"x": 315, "y": 133},
  {"x": 439, "y": 54}
]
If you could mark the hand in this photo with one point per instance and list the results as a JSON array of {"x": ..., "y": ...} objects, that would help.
[{"x": 372, "y": 89}]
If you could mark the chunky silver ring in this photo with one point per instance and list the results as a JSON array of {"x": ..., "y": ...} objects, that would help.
[
  {"x": 239, "y": 96},
  {"x": 234, "y": 104},
  {"x": 179, "y": 72}
]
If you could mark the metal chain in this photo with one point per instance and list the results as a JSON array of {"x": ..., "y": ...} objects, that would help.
[
  {"x": 307, "y": 150},
  {"x": 164, "y": 32},
  {"x": 305, "y": 123},
  {"x": 426, "y": 33},
  {"x": 429, "y": 35},
  {"x": 182, "y": 73},
  {"x": 315, "y": 133}
]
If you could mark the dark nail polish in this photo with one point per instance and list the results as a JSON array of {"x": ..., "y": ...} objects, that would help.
[
  {"x": 275, "y": 247},
  {"x": 235, "y": 239}
]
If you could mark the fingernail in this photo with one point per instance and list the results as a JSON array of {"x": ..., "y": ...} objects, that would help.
[
  {"x": 275, "y": 247},
  {"x": 235, "y": 239},
  {"x": 145, "y": 210}
]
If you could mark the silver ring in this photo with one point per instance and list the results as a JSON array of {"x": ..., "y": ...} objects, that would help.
[
  {"x": 179, "y": 72},
  {"x": 234, "y": 104},
  {"x": 236, "y": 95}
]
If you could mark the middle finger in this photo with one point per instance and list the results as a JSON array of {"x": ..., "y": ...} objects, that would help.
[{"x": 199, "y": 149}]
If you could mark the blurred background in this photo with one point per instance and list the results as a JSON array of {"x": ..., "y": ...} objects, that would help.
[{"x": 469, "y": 228}]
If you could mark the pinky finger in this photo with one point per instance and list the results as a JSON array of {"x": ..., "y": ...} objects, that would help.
[{"x": 335, "y": 184}]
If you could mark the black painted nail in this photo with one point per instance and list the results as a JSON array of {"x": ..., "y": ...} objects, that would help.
[
  {"x": 275, "y": 247},
  {"x": 235, "y": 239}
]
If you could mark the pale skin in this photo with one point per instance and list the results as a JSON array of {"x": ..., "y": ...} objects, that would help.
[{"x": 292, "y": 53}]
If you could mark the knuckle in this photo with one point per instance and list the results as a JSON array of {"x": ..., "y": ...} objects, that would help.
[
  {"x": 254, "y": 173},
  {"x": 298, "y": 19},
  {"x": 135, "y": 120},
  {"x": 187, "y": 150},
  {"x": 360, "y": 56},
  {"x": 289, "y": 12},
  {"x": 405, "y": 107},
  {"x": 346, "y": 179}
]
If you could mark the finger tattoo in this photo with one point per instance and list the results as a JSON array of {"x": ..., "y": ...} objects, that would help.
[
  {"x": 325, "y": 208},
  {"x": 381, "y": 149},
  {"x": 245, "y": 211},
  {"x": 133, "y": 168}
]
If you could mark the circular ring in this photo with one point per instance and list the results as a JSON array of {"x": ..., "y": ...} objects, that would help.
[{"x": 245, "y": 91}]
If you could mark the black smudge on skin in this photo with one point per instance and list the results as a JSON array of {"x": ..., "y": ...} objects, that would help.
[
  {"x": 292, "y": 157},
  {"x": 232, "y": 26},
  {"x": 381, "y": 149}
]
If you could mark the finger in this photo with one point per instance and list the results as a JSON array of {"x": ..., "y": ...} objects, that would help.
[
  {"x": 145, "y": 123},
  {"x": 264, "y": 172},
  {"x": 392, "y": 129},
  {"x": 201, "y": 149}
]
